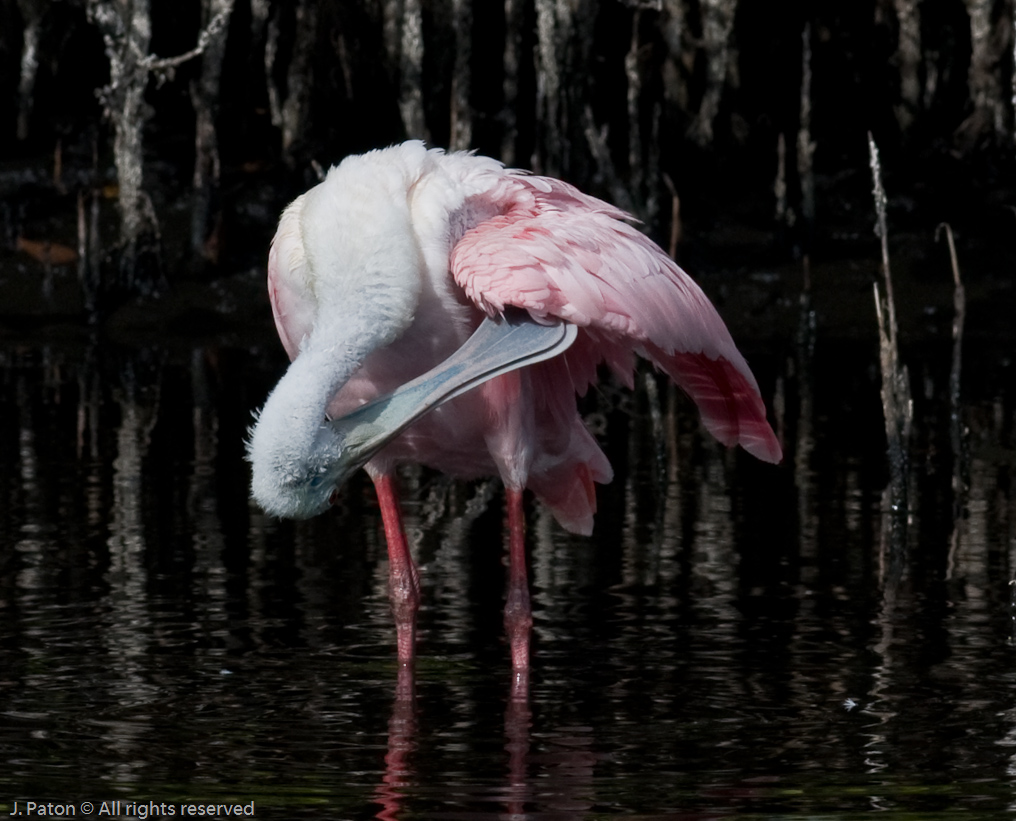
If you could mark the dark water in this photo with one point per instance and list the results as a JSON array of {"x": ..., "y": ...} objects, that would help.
[{"x": 736, "y": 640}]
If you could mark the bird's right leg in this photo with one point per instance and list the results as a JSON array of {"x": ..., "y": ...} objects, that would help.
[
  {"x": 403, "y": 579},
  {"x": 518, "y": 613}
]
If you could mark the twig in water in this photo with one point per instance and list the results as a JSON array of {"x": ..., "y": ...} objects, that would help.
[
  {"x": 959, "y": 319},
  {"x": 805, "y": 145},
  {"x": 780, "y": 185},
  {"x": 897, "y": 405}
]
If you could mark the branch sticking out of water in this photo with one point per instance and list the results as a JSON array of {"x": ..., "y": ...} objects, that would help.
[
  {"x": 31, "y": 13},
  {"x": 461, "y": 111},
  {"x": 299, "y": 78},
  {"x": 633, "y": 72},
  {"x": 717, "y": 26},
  {"x": 126, "y": 31},
  {"x": 512, "y": 52},
  {"x": 780, "y": 185},
  {"x": 985, "y": 82},
  {"x": 908, "y": 57},
  {"x": 550, "y": 48},
  {"x": 411, "y": 71},
  {"x": 805, "y": 145},
  {"x": 955, "y": 415},
  {"x": 205, "y": 99},
  {"x": 897, "y": 405}
]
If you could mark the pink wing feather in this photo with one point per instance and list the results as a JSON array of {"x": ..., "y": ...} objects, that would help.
[{"x": 558, "y": 252}]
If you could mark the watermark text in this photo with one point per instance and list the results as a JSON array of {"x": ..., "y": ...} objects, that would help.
[{"x": 119, "y": 808}]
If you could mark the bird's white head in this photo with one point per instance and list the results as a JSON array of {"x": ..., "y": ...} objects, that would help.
[{"x": 291, "y": 480}]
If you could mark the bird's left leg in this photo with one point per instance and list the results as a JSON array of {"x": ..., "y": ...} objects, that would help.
[
  {"x": 518, "y": 612},
  {"x": 403, "y": 579}
]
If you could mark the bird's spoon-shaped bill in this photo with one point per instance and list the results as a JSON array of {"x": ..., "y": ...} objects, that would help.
[{"x": 496, "y": 347}]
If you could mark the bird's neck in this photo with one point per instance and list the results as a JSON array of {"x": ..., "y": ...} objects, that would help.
[
  {"x": 296, "y": 457},
  {"x": 343, "y": 336},
  {"x": 299, "y": 400}
]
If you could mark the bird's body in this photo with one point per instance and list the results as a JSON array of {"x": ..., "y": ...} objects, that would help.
[{"x": 383, "y": 270}]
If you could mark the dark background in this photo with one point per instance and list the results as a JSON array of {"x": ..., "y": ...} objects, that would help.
[
  {"x": 735, "y": 637},
  {"x": 637, "y": 77}
]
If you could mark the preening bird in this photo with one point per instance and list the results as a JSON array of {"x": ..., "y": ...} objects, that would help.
[{"x": 380, "y": 274}]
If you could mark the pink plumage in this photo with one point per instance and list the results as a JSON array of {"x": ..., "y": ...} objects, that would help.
[
  {"x": 382, "y": 271},
  {"x": 558, "y": 252}
]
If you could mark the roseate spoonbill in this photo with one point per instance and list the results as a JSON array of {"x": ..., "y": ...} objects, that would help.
[{"x": 381, "y": 273}]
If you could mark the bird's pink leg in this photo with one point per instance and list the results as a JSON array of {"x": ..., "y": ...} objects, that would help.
[
  {"x": 403, "y": 580},
  {"x": 518, "y": 614}
]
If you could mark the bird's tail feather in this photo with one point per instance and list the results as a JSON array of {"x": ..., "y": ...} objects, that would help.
[{"x": 729, "y": 403}]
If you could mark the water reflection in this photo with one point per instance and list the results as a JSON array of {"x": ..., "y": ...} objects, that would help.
[{"x": 729, "y": 641}]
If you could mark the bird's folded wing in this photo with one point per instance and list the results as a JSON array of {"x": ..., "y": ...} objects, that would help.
[{"x": 557, "y": 252}]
